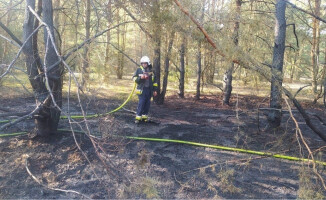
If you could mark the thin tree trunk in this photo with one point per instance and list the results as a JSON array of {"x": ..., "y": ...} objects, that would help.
[
  {"x": 228, "y": 74},
  {"x": 210, "y": 67},
  {"x": 315, "y": 51},
  {"x": 108, "y": 40},
  {"x": 122, "y": 35},
  {"x": 56, "y": 21},
  {"x": 5, "y": 48},
  {"x": 324, "y": 83},
  {"x": 86, "y": 56},
  {"x": 198, "y": 71},
  {"x": 157, "y": 48},
  {"x": 182, "y": 67},
  {"x": 199, "y": 54},
  {"x": 166, "y": 67},
  {"x": 275, "y": 115},
  {"x": 239, "y": 59},
  {"x": 55, "y": 82}
]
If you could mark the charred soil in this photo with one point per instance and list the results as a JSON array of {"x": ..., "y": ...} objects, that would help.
[{"x": 110, "y": 166}]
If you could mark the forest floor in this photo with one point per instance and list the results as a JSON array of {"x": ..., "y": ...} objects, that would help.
[{"x": 143, "y": 169}]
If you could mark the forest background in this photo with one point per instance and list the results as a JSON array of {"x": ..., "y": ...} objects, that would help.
[{"x": 57, "y": 50}]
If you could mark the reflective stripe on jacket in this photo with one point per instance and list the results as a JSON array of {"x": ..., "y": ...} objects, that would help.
[{"x": 141, "y": 82}]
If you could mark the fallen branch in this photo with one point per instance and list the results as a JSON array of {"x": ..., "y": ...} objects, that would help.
[
  {"x": 20, "y": 119},
  {"x": 48, "y": 98},
  {"x": 306, "y": 145},
  {"x": 304, "y": 115},
  {"x": 131, "y": 111},
  {"x": 239, "y": 57},
  {"x": 216, "y": 85},
  {"x": 299, "y": 90},
  {"x": 323, "y": 122},
  {"x": 14, "y": 114},
  {"x": 5, "y": 109},
  {"x": 51, "y": 188}
]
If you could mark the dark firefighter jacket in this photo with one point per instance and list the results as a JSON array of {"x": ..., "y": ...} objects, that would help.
[{"x": 141, "y": 82}]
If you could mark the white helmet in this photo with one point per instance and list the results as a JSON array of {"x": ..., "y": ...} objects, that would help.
[{"x": 145, "y": 59}]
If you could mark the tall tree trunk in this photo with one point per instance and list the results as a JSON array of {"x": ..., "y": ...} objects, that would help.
[
  {"x": 56, "y": 21},
  {"x": 182, "y": 67},
  {"x": 209, "y": 66},
  {"x": 108, "y": 40},
  {"x": 324, "y": 80},
  {"x": 199, "y": 54},
  {"x": 86, "y": 56},
  {"x": 122, "y": 39},
  {"x": 198, "y": 71},
  {"x": 166, "y": 67},
  {"x": 275, "y": 114},
  {"x": 157, "y": 48},
  {"x": 48, "y": 115},
  {"x": 55, "y": 81},
  {"x": 5, "y": 47},
  {"x": 315, "y": 51},
  {"x": 228, "y": 74}
]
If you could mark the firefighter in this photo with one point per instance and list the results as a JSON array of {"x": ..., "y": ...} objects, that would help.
[{"x": 146, "y": 88}]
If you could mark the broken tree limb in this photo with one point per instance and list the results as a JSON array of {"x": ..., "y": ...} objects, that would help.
[
  {"x": 132, "y": 60},
  {"x": 299, "y": 90},
  {"x": 304, "y": 114},
  {"x": 237, "y": 56},
  {"x": 10, "y": 41},
  {"x": 91, "y": 39},
  {"x": 20, "y": 119},
  {"x": 10, "y": 34},
  {"x": 121, "y": 5},
  {"x": 51, "y": 188},
  {"x": 302, "y": 10},
  {"x": 14, "y": 114}
]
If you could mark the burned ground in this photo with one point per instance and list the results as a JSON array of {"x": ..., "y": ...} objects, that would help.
[{"x": 143, "y": 169}]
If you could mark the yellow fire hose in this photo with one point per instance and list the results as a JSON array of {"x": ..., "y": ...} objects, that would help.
[
  {"x": 228, "y": 149},
  {"x": 232, "y": 149},
  {"x": 96, "y": 115},
  {"x": 100, "y": 115}
]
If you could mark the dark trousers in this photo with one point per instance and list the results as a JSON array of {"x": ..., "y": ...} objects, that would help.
[{"x": 144, "y": 102}]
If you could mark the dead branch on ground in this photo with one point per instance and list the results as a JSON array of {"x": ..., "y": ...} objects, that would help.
[
  {"x": 246, "y": 61},
  {"x": 298, "y": 131},
  {"x": 51, "y": 188}
]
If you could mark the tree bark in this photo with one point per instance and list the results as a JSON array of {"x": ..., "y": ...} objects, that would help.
[
  {"x": 275, "y": 115},
  {"x": 198, "y": 70},
  {"x": 86, "y": 56},
  {"x": 228, "y": 74},
  {"x": 182, "y": 67},
  {"x": 166, "y": 68},
  {"x": 47, "y": 114},
  {"x": 157, "y": 48},
  {"x": 5, "y": 48},
  {"x": 315, "y": 51},
  {"x": 108, "y": 40},
  {"x": 246, "y": 61},
  {"x": 55, "y": 82},
  {"x": 56, "y": 23},
  {"x": 121, "y": 37}
]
